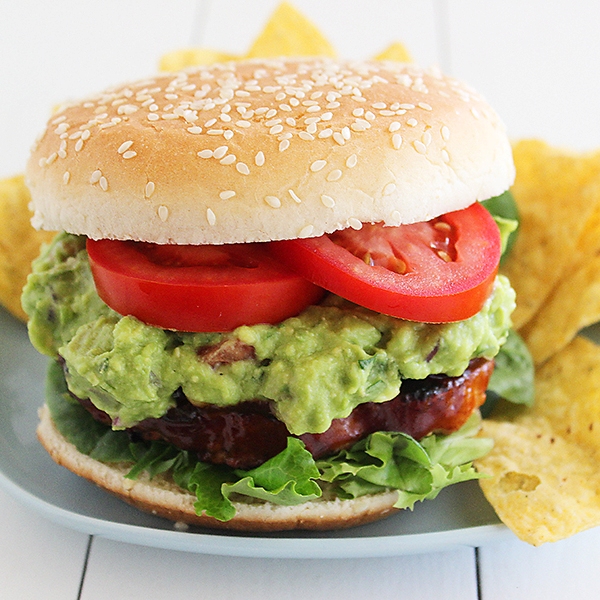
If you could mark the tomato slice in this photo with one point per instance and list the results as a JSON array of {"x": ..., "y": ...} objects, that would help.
[
  {"x": 197, "y": 288},
  {"x": 438, "y": 271}
]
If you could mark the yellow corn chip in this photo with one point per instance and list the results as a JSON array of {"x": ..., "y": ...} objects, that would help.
[
  {"x": 396, "y": 52},
  {"x": 573, "y": 305},
  {"x": 290, "y": 33},
  {"x": 19, "y": 242},
  {"x": 545, "y": 481},
  {"x": 552, "y": 192},
  {"x": 191, "y": 57}
]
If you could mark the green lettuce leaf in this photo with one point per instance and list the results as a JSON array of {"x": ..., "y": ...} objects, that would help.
[{"x": 513, "y": 376}]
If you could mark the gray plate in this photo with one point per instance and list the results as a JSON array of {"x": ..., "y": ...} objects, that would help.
[{"x": 460, "y": 516}]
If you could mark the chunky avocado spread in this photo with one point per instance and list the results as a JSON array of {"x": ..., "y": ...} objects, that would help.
[{"x": 314, "y": 368}]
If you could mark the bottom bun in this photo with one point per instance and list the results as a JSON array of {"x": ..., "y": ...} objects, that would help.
[{"x": 162, "y": 497}]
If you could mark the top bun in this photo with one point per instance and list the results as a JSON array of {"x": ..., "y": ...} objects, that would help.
[{"x": 263, "y": 150}]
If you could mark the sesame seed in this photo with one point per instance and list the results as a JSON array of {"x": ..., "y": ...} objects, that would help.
[
  {"x": 475, "y": 112},
  {"x": 304, "y": 135},
  {"x": 220, "y": 152},
  {"x": 206, "y": 153},
  {"x": 149, "y": 189},
  {"x": 270, "y": 113},
  {"x": 397, "y": 141},
  {"x": 355, "y": 223},
  {"x": 95, "y": 177},
  {"x": 412, "y": 122},
  {"x": 294, "y": 196},
  {"x": 394, "y": 126},
  {"x": 426, "y": 139},
  {"x": 318, "y": 165},
  {"x": 276, "y": 129},
  {"x": 334, "y": 175},
  {"x": 445, "y": 156},
  {"x": 227, "y": 194},
  {"x": 243, "y": 123},
  {"x": 445, "y": 133},
  {"x": 312, "y": 128},
  {"x": 66, "y": 177},
  {"x": 125, "y": 146},
  {"x": 195, "y": 130},
  {"x": 352, "y": 161},
  {"x": 424, "y": 106},
  {"x": 242, "y": 168},
  {"x": 259, "y": 159},
  {"x": 210, "y": 216},
  {"x": 360, "y": 125},
  {"x": 126, "y": 109},
  {"x": 327, "y": 201},
  {"x": 103, "y": 183},
  {"x": 442, "y": 226},
  {"x": 420, "y": 147},
  {"x": 129, "y": 154},
  {"x": 215, "y": 132},
  {"x": 325, "y": 133},
  {"x": 389, "y": 189},
  {"x": 273, "y": 201},
  {"x": 358, "y": 112},
  {"x": 306, "y": 231},
  {"x": 163, "y": 213},
  {"x": 228, "y": 160},
  {"x": 284, "y": 145},
  {"x": 153, "y": 117},
  {"x": 339, "y": 138},
  {"x": 78, "y": 145},
  {"x": 407, "y": 106}
]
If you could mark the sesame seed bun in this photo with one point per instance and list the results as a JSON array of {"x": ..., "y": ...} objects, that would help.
[
  {"x": 161, "y": 497},
  {"x": 266, "y": 150}
]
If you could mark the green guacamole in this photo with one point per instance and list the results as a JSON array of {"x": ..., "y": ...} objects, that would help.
[{"x": 314, "y": 368}]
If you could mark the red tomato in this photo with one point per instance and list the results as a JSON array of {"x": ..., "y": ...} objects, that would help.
[
  {"x": 197, "y": 288},
  {"x": 439, "y": 271}
]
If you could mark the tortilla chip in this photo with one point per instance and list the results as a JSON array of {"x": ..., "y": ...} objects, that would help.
[
  {"x": 396, "y": 52},
  {"x": 552, "y": 191},
  {"x": 19, "y": 242},
  {"x": 545, "y": 481},
  {"x": 290, "y": 33},
  {"x": 191, "y": 57},
  {"x": 573, "y": 305}
]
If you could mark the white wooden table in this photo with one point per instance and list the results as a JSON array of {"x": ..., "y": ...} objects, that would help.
[{"x": 538, "y": 64}]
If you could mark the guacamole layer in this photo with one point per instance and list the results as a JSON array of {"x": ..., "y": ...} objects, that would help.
[{"x": 313, "y": 368}]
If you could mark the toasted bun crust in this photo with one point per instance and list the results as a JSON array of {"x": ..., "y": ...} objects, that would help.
[
  {"x": 160, "y": 496},
  {"x": 264, "y": 150}
]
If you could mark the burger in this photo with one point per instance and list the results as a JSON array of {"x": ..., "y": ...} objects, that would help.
[{"x": 273, "y": 301}]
